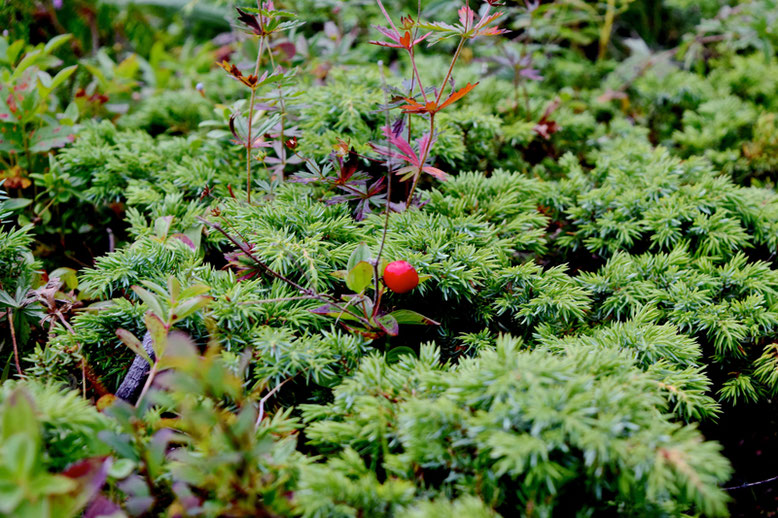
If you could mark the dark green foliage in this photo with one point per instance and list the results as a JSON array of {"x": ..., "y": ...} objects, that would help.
[{"x": 169, "y": 112}]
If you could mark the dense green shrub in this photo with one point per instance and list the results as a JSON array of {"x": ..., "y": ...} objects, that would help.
[{"x": 597, "y": 270}]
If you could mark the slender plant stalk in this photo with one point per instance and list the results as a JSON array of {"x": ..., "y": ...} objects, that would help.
[
  {"x": 13, "y": 341},
  {"x": 418, "y": 77},
  {"x": 450, "y": 69},
  {"x": 250, "y": 142},
  {"x": 425, "y": 152},
  {"x": 422, "y": 160},
  {"x": 386, "y": 15},
  {"x": 147, "y": 385},
  {"x": 261, "y": 413},
  {"x": 415, "y": 72},
  {"x": 283, "y": 115},
  {"x": 607, "y": 27},
  {"x": 387, "y": 208}
]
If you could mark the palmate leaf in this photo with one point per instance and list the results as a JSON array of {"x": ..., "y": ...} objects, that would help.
[{"x": 239, "y": 127}]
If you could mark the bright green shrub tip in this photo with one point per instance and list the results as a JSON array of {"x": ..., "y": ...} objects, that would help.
[
  {"x": 580, "y": 432},
  {"x": 70, "y": 424}
]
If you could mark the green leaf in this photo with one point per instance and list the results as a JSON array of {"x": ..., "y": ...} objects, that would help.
[
  {"x": 162, "y": 226},
  {"x": 29, "y": 60},
  {"x": 393, "y": 354},
  {"x": 14, "y": 49},
  {"x": 67, "y": 275},
  {"x": 52, "y": 136},
  {"x": 70, "y": 115},
  {"x": 331, "y": 310},
  {"x": 360, "y": 253},
  {"x": 121, "y": 468},
  {"x": 62, "y": 76},
  {"x": 150, "y": 300},
  {"x": 360, "y": 277},
  {"x": 21, "y": 456},
  {"x": 194, "y": 290},
  {"x": 16, "y": 203},
  {"x": 158, "y": 331},
  {"x": 48, "y": 484},
  {"x": 174, "y": 288},
  {"x": 131, "y": 341},
  {"x": 56, "y": 42},
  {"x": 19, "y": 416},
  {"x": 189, "y": 306},
  {"x": 406, "y": 316}
]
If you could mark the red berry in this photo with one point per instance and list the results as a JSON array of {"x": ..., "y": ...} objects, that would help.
[{"x": 400, "y": 276}]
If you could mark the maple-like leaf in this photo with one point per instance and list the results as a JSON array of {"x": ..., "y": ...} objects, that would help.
[
  {"x": 405, "y": 41},
  {"x": 413, "y": 106},
  {"x": 467, "y": 27},
  {"x": 400, "y": 149}
]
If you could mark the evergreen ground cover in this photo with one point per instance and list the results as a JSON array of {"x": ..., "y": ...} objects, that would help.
[{"x": 385, "y": 258}]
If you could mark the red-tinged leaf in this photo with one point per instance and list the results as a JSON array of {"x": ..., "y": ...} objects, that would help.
[
  {"x": 486, "y": 20},
  {"x": 413, "y": 106},
  {"x": 426, "y": 142},
  {"x": 437, "y": 173},
  {"x": 406, "y": 151},
  {"x": 50, "y": 137},
  {"x": 90, "y": 475},
  {"x": 385, "y": 44},
  {"x": 466, "y": 17},
  {"x": 250, "y": 21},
  {"x": 389, "y": 324},
  {"x": 287, "y": 48},
  {"x": 457, "y": 95},
  {"x": 405, "y": 41},
  {"x": 492, "y": 31},
  {"x": 185, "y": 239},
  {"x": 392, "y": 35},
  {"x": 419, "y": 40},
  {"x": 331, "y": 310},
  {"x": 134, "y": 344},
  {"x": 369, "y": 334},
  {"x": 101, "y": 506}
]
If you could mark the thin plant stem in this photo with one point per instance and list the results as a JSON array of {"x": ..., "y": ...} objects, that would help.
[
  {"x": 147, "y": 385},
  {"x": 425, "y": 151},
  {"x": 418, "y": 77},
  {"x": 607, "y": 27},
  {"x": 450, "y": 69},
  {"x": 386, "y": 15},
  {"x": 261, "y": 412},
  {"x": 422, "y": 160},
  {"x": 250, "y": 143},
  {"x": 283, "y": 115},
  {"x": 13, "y": 342},
  {"x": 377, "y": 264},
  {"x": 415, "y": 72}
]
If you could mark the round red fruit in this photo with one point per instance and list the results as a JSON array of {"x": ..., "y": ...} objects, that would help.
[{"x": 400, "y": 276}]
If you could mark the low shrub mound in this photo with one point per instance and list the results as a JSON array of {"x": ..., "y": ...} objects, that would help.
[{"x": 323, "y": 259}]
